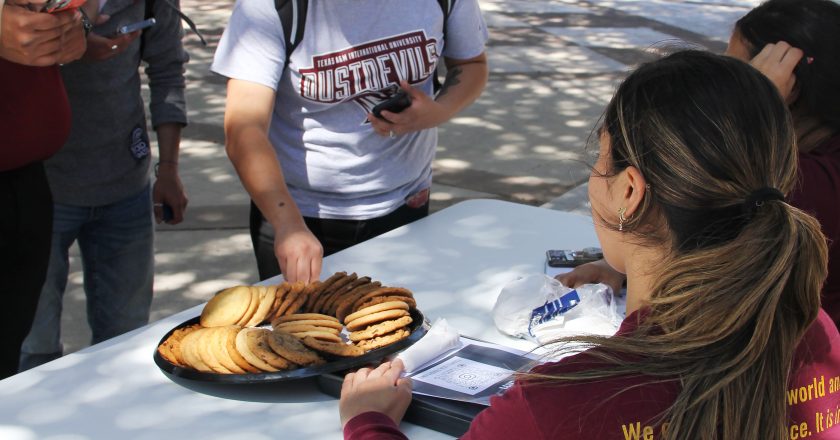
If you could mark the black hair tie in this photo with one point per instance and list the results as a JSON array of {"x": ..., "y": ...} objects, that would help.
[{"x": 757, "y": 198}]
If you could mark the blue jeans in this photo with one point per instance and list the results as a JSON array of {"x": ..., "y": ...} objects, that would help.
[{"x": 117, "y": 247}]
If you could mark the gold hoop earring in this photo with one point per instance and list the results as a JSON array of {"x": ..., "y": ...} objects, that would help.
[{"x": 621, "y": 218}]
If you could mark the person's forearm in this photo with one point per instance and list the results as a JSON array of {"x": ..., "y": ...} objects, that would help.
[
  {"x": 465, "y": 80},
  {"x": 259, "y": 171},
  {"x": 169, "y": 142}
]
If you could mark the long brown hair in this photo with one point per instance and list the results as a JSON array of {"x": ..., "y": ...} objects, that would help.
[{"x": 741, "y": 281}]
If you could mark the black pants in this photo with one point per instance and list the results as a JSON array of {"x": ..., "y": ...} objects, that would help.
[
  {"x": 25, "y": 235},
  {"x": 334, "y": 235}
]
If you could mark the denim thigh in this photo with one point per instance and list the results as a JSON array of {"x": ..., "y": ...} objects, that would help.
[
  {"x": 43, "y": 343},
  {"x": 118, "y": 258}
]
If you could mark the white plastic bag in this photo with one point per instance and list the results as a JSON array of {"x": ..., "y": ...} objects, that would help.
[{"x": 540, "y": 308}]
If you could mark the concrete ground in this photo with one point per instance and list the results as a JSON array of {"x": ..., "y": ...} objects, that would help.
[{"x": 554, "y": 65}]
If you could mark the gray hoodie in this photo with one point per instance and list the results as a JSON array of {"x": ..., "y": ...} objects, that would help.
[{"x": 107, "y": 156}]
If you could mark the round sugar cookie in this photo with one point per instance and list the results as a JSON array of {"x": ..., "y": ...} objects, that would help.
[
  {"x": 333, "y": 348},
  {"x": 258, "y": 343},
  {"x": 380, "y": 329},
  {"x": 227, "y": 307},
  {"x": 243, "y": 346},
  {"x": 381, "y": 341},
  {"x": 388, "y": 305},
  {"x": 374, "y": 318},
  {"x": 291, "y": 327},
  {"x": 229, "y": 339},
  {"x": 322, "y": 335},
  {"x": 302, "y": 317},
  {"x": 290, "y": 347}
]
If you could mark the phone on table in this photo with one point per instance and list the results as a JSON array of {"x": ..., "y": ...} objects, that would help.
[
  {"x": 396, "y": 103},
  {"x": 572, "y": 258},
  {"x": 129, "y": 28}
]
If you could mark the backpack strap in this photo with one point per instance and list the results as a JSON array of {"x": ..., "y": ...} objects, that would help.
[
  {"x": 292, "y": 15},
  {"x": 446, "y": 7}
]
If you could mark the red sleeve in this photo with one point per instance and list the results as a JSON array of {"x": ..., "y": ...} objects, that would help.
[
  {"x": 508, "y": 417},
  {"x": 372, "y": 426},
  {"x": 818, "y": 189}
]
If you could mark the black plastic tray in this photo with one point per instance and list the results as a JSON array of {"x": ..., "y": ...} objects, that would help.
[
  {"x": 447, "y": 416},
  {"x": 418, "y": 328}
]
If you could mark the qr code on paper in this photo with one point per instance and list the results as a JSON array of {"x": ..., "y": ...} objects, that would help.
[{"x": 463, "y": 375}]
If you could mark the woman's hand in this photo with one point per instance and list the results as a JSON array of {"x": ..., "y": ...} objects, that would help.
[
  {"x": 777, "y": 62},
  {"x": 592, "y": 273},
  {"x": 380, "y": 390}
]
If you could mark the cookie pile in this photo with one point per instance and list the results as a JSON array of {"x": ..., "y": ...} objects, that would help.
[
  {"x": 306, "y": 321},
  {"x": 379, "y": 324}
]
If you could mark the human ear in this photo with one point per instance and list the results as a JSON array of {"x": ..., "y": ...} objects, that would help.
[{"x": 635, "y": 190}]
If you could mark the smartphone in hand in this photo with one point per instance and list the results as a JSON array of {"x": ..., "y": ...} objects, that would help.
[
  {"x": 59, "y": 5},
  {"x": 572, "y": 258},
  {"x": 129, "y": 28},
  {"x": 168, "y": 213},
  {"x": 396, "y": 103}
]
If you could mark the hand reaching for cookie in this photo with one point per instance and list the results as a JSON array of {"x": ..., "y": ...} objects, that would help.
[{"x": 380, "y": 390}]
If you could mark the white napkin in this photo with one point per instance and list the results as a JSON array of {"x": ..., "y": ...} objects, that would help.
[{"x": 440, "y": 339}]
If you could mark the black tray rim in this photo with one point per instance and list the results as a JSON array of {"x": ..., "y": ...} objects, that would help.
[{"x": 418, "y": 328}]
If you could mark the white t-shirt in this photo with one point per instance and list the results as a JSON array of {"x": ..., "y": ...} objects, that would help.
[{"x": 352, "y": 56}]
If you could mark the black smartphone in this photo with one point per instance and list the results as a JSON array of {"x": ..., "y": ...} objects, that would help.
[
  {"x": 572, "y": 258},
  {"x": 168, "y": 214},
  {"x": 396, "y": 103}
]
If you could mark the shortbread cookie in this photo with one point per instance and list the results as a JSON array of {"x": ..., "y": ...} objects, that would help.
[
  {"x": 205, "y": 349},
  {"x": 328, "y": 292},
  {"x": 189, "y": 349},
  {"x": 227, "y": 307},
  {"x": 219, "y": 351},
  {"x": 244, "y": 343},
  {"x": 295, "y": 306},
  {"x": 382, "y": 291},
  {"x": 333, "y": 348},
  {"x": 170, "y": 349},
  {"x": 252, "y": 307},
  {"x": 389, "y": 305},
  {"x": 412, "y": 304},
  {"x": 310, "y": 302},
  {"x": 380, "y": 329},
  {"x": 345, "y": 306},
  {"x": 316, "y": 322},
  {"x": 292, "y": 327},
  {"x": 322, "y": 335},
  {"x": 291, "y": 296},
  {"x": 258, "y": 343},
  {"x": 266, "y": 300},
  {"x": 381, "y": 341},
  {"x": 229, "y": 339},
  {"x": 331, "y": 304},
  {"x": 279, "y": 296},
  {"x": 302, "y": 317},
  {"x": 374, "y": 318},
  {"x": 290, "y": 347}
]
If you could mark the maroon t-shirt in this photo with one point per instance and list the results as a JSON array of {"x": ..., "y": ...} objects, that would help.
[
  {"x": 34, "y": 114},
  {"x": 818, "y": 193},
  {"x": 628, "y": 407}
]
